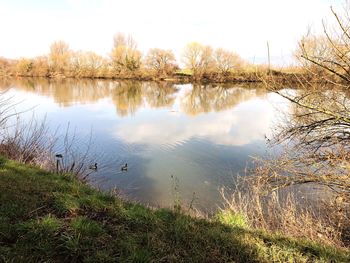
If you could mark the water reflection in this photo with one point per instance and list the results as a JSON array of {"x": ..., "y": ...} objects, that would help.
[
  {"x": 203, "y": 135},
  {"x": 129, "y": 96},
  {"x": 208, "y": 98}
]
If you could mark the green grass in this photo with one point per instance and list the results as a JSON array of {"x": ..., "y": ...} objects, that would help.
[
  {"x": 46, "y": 217},
  {"x": 187, "y": 72}
]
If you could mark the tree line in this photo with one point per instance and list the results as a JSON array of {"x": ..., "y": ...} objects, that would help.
[
  {"x": 318, "y": 57},
  {"x": 125, "y": 60}
]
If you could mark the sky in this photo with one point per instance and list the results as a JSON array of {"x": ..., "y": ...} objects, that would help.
[{"x": 28, "y": 27}]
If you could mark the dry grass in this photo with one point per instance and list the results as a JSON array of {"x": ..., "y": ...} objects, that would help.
[
  {"x": 306, "y": 210},
  {"x": 27, "y": 143},
  {"x": 32, "y": 142}
]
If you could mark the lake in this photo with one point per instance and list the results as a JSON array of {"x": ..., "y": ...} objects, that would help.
[{"x": 195, "y": 138}]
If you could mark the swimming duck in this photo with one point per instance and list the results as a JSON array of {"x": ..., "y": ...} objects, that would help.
[
  {"x": 93, "y": 167},
  {"x": 124, "y": 167}
]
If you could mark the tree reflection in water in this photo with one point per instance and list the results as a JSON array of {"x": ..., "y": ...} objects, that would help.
[{"x": 129, "y": 96}]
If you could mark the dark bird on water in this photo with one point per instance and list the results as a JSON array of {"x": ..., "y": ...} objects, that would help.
[
  {"x": 124, "y": 167},
  {"x": 93, "y": 167}
]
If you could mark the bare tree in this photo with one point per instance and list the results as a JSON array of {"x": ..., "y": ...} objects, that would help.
[
  {"x": 24, "y": 67},
  {"x": 41, "y": 66},
  {"x": 5, "y": 67},
  {"x": 87, "y": 64},
  {"x": 59, "y": 56},
  {"x": 226, "y": 61},
  {"x": 320, "y": 119},
  {"x": 318, "y": 129},
  {"x": 198, "y": 58},
  {"x": 161, "y": 61},
  {"x": 330, "y": 52},
  {"x": 125, "y": 56},
  {"x": 318, "y": 126}
]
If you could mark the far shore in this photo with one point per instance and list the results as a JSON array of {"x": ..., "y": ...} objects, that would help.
[{"x": 180, "y": 78}]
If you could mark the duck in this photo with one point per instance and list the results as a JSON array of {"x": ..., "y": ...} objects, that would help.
[
  {"x": 124, "y": 167},
  {"x": 93, "y": 167}
]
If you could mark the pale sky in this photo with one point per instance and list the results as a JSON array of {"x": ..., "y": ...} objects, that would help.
[{"x": 28, "y": 27}]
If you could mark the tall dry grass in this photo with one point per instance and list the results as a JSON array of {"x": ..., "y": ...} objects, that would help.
[
  {"x": 31, "y": 141},
  {"x": 27, "y": 142},
  {"x": 300, "y": 210}
]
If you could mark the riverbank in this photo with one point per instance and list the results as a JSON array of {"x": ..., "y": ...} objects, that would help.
[
  {"x": 56, "y": 218},
  {"x": 178, "y": 77}
]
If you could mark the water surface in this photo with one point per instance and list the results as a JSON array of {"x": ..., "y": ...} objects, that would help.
[{"x": 202, "y": 135}]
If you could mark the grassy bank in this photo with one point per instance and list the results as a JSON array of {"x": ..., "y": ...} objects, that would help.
[{"x": 46, "y": 217}]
